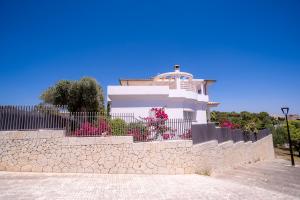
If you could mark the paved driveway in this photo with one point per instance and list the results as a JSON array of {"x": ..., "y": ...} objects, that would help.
[
  {"x": 276, "y": 176},
  {"x": 96, "y": 186}
]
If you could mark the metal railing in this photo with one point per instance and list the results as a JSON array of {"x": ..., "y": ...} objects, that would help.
[
  {"x": 95, "y": 124},
  {"x": 85, "y": 124},
  {"x": 32, "y": 117}
]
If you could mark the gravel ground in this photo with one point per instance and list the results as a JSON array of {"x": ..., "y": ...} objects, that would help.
[{"x": 17, "y": 185}]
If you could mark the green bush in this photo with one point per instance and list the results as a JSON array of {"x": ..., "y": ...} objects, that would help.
[
  {"x": 118, "y": 127},
  {"x": 279, "y": 136},
  {"x": 137, "y": 125}
]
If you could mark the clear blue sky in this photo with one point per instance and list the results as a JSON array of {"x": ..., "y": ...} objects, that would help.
[{"x": 252, "y": 48}]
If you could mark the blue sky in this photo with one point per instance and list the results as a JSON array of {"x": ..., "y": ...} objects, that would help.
[{"x": 252, "y": 48}]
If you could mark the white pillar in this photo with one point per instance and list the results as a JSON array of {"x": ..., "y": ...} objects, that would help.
[
  {"x": 202, "y": 88},
  {"x": 177, "y": 82}
]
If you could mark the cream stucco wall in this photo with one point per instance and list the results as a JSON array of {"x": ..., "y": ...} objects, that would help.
[{"x": 51, "y": 151}]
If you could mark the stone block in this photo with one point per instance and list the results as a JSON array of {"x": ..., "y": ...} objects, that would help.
[
  {"x": 179, "y": 171},
  {"x": 47, "y": 169},
  {"x": 26, "y": 168},
  {"x": 2, "y": 167},
  {"x": 13, "y": 168}
]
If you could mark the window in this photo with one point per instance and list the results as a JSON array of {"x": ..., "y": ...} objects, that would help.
[{"x": 189, "y": 115}]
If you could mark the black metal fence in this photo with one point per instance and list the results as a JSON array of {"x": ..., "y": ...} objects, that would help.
[
  {"x": 207, "y": 132},
  {"x": 147, "y": 129},
  {"x": 32, "y": 117},
  {"x": 84, "y": 124}
]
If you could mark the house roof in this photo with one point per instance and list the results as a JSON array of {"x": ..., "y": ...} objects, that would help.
[
  {"x": 126, "y": 81},
  {"x": 213, "y": 104}
]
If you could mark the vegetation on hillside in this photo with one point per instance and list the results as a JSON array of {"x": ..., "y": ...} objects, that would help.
[
  {"x": 248, "y": 122},
  {"x": 253, "y": 122},
  {"x": 280, "y": 135}
]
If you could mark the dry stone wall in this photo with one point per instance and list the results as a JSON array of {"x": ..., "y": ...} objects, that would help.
[{"x": 52, "y": 151}]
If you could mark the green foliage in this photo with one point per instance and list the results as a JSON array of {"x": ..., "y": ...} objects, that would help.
[
  {"x": 118, "y": 127},
  {"x": 264, "y": 120},
  {"x": 83, "y": 95},
  {"x": 294, "y": 130},
  {"x": 250, "y": 127},
  {"x": 138, "y": 125},
  {"x": 48, "y": 95},
  {"x": 57, "y": 94},
  {"x": 108, "y": 108},
  {"x": 213, "y": 116},
  {"x": 86, "y": 96},
  {"x": 61, "y": 96},
  {"x": 280, "y": 135}
]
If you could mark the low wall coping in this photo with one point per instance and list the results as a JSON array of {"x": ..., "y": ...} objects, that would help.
[
  {"x": 52, "y": 134},
  {"x": 98, "y": 140},
  {"x": 34, "y": 134}
]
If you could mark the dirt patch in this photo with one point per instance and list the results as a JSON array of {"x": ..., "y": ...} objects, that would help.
[{"x": 283, "y": 153}]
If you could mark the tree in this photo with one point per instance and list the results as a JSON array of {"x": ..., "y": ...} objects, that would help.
[
  {"x": 62, "y": 92},
  {"x": 86, "y": 96},
  {"x": 250, "y": 127},
  {"x": 108, "y": 107},
  {"x": 264, "y": 120},
  {"x": 295, "y": 134},
  {"x": 48, "y": 95},
  {"x": 83, "y": 95},
  {"x": 57, "y": 94},
  {"x": 280, "y": 135},
  {"x": 213, "y": 116}
]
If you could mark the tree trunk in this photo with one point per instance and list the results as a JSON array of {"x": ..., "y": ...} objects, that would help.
[{"x": 297, "y": 147}]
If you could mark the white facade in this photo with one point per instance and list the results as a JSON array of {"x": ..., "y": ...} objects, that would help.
[{"x": 179, "y": 93}]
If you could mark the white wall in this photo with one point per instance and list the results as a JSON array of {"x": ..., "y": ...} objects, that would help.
[
  {"x": 174, "y": 107},
  {"x": 175, "y": 113},
  {"x": 156, "y": 91},
  {"x": 144, "y": 111},
  {"x": 201, "y": 117},
  {"x": 137, "y": 111}
]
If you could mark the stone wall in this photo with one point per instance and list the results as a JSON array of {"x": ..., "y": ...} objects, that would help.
[{"x": 51, "y": 151}]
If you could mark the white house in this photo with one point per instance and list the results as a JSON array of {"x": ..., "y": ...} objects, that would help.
[{"x": 182, "y": 96}]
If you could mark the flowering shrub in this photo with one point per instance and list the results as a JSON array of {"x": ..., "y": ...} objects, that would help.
[
  {"x": 228, "y": 124},
  {"x": 156, "y": 123},
  {"x": 187, "y": 134},
  {"x": 159, "y": 113},
  {"x": 86, "y": 129},
  {"x": 168, "y": 136},
  {"x": 102, "y": 127},
  {"x": 138, "y": 134}
]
